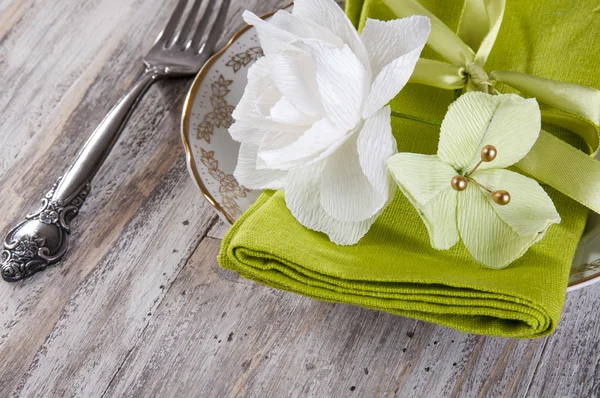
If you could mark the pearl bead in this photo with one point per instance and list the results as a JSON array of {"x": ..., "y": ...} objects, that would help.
[
  {"x": 459, "y": 183},
  {"x": 501, "y": 197},
  {"x": 488, "y": 153}
]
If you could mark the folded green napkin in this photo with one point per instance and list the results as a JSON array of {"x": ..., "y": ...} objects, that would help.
[{"x": 393, "y": 268}]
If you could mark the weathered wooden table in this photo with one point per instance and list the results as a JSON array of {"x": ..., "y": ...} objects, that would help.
[{"x": 140, "y": 306}]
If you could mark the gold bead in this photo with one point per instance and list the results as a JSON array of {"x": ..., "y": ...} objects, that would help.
[
  {"x": 488, "y": 153},
  {"x": 501, "y": 197},
  {"x": 459, "y": 183}
]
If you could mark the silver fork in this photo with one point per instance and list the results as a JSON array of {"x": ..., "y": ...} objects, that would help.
[{"x": 42, "y": 238}]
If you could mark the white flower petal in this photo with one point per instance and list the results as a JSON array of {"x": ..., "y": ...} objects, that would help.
[
  {"x": 388, "y": 83},
  {"x": 346, "y": 193},
  {"x": 387, "y": 41},
  {"x": 302, "y": 197},
  {"x": 422, "y": 176},
  {"x": 267, "y": 124},
  {"x": 343, "y": 83},
  {"x": 513, "y": 130},
  {"x": 285, "y": 112},
  {"x": 295, "y": 75},
  {"x": 490, "y": 240},
  {"x": 260, "y": 94},
  {"x": 530, "y": 211},
  {"x": 275, "y": 141},
  {"x": 464, "y": 126},
  {"x": 394, "y": 48},
  {"x": 272, "y": 38},
  {"x": 310, "y": 144},
  {"x": 328, "y": 14},
  {"x": 249, "y": 176},
  {"x": 304, "y": 29},
  {"x": 376, "y": 144},
  {"x": 425, "y": 181},
  {"x": 244, "y": 132}
]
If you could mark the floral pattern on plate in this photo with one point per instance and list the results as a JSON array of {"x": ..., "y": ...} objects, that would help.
[{"x": 212, "y": 154}]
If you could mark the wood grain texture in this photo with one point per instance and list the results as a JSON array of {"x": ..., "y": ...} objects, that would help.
[
  {"x": 242, "y": 339},
  {"x": 140, "y": 307},
  {"x": 219, "y": 230}
]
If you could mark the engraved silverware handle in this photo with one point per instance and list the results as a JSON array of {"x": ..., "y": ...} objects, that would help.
[
  {"x": 42, "y": 238},
  {"x": 180, "y": 50}
]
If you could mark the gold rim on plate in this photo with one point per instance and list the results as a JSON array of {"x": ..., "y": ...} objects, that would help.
[{"x": 187, "y": 112}]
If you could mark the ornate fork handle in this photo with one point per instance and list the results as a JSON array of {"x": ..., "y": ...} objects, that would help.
[{"x": 42, "y": 238}]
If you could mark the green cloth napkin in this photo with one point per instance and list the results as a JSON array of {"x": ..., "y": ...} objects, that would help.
[{"x": 393, "y": 268}]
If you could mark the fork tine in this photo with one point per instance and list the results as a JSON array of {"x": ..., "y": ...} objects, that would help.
[
  {"x": 182, "y": 37},
  {"x": 217, "y": 29},
  {"x": 168, "y": 33},
  {"x": 195, "y": 44}
]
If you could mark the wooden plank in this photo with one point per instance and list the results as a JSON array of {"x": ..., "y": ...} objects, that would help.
[
  {"x": 108, "y": 312},
  {"x": 136, "y": 200},
  {"x": 219, "y": 230},
  {"x": 57, "y": 90},
  {"x": 12, "y": 11},
  {"x": 47, "y": 71},
  {"x": 216, "y": 334},
  {"x": 570, "y": 363}
]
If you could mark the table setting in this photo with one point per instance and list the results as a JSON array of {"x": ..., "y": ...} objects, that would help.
[
  {"x": 422, "y": 161},
  {"x": 389, "y": 273}
]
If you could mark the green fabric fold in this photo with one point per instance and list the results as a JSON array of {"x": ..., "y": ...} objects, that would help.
[{"x": 393, "y": 268}]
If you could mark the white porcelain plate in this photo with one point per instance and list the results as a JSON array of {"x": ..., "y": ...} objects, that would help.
[{"x": 212, "y": 153}]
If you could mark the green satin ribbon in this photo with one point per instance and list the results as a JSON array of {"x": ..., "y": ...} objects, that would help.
[{"x": 571, "y": 106}]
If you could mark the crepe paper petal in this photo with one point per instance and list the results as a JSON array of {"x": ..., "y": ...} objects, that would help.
[
  {"x": 244, "y": 132},
  {"x": 303, "y": 198},
  {"x": 463, "y": 128},
  {"x": 490, "y": 240},
  {"x": 425, "y": 181},
  {"x": 388, "y": 41},
  {"x": 327, "y": 13},
  {"x": 422, "y": 177},
  {"x": 495, "y": 234},
  {"x": 439, "y": 216},
  {"x": 513, "y": 130},
  {"x": 346, "y": 193},
  {"x": 376, "y": 144},
  {"x": 254, "y": 130},
  {"x": 272, "y": 39},
  {"x": 286, "y": 113},
  {"x": 266, "y": 124},
  {"x": 314, "y": 113},
  {"x": 390, "y": 82},
  {"x": 343, "y": 83},
  {"x": 275, "y": 141},
  {"x": 260, "y": 94},
  {"x": 317, "y": 157},
  {"x": 530, "y": 210},
  {"x": 394, "y": 48},
  {"x": 310, "y": 144},
  {"x": 285, "y": 30},
  {"x": 249, "y": 176},
  {"x": 304, "y": 29},
  {"x": 295, "y": 75}
]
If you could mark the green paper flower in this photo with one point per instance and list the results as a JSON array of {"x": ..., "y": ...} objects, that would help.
[{"x": 465, "y": 191}]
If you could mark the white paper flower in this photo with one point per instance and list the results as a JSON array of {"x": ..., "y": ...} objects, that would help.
[
  {"x": 313, "y": 120},
  {"x": 465, "y": 190}
]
